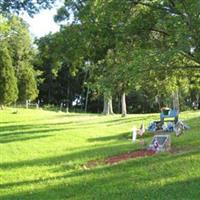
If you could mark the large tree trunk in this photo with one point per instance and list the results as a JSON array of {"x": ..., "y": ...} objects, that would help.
[
  {"x": 123, "y": 101},
  {"x": 68, "y": 97},
  {"x": 86, "y": 99},
  {"x": 119, "y": 104},
  {"x": 49, "y": 95},
  {"x": 157, "y": 100},
  {"x": 107, "y": 108},
  {"x": 197, "y": 97},
  {"x": 110, "y": 106},
  {"x": 175, "y": 97}
]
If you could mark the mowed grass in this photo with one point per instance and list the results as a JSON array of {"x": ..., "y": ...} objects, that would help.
[{"x": 42, "y": 155}]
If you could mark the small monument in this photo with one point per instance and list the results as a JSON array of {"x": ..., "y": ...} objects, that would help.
[
  {"x": 160, "y": 143},
  {"x": 134, "y": 134}
]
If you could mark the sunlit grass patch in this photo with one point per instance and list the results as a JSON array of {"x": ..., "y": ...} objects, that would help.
[{"x": 42, "y": 154}]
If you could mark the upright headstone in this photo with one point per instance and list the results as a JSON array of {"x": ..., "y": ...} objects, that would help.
[
  {"x": 160, "y": 143},
  {"x": 134, "y": 134}
]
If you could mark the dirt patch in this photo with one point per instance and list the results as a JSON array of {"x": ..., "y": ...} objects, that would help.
[
  {"x": 122, "y": 157},
  {"x": 129, "y": 155}
]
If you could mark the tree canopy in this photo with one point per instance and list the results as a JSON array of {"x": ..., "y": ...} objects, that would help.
[
  {"x": 17, "y": 61},
  {"x": 142, "y": 51},
  {"x": 30, "y": 6},
  {"x": 156, "y": 40}
]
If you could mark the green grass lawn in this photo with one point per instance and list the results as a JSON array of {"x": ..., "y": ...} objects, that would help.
[{"x": 42, "y": 154}]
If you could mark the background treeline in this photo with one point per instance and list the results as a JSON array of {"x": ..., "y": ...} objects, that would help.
[
  {"x": 17, "y": 76},
  {"x": 114, "y": 56}
]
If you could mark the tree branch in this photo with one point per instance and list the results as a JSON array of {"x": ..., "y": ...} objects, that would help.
[
  {"x": 172, "y": 2},
  {"x": 148, "y": 5},
  {"x": 159, "y": 31},
  {"x": 187, "y": 67},
  {"x": 190, "y": 56},
  {"x": 170, "y": 8},
  {"x": 172, "y": 68}
]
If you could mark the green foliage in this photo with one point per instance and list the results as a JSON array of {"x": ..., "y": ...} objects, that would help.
[
  {"x": 30, "y": 6},
  {"x": 8, "y": 81},
  {"x": 147, "y": 46},
  {"x": 58, "y": 60},
  {"x": 22, "y": 53},
  {"x": 16, "y": 39},
  {"x": 27, "y": 84},
  {"x": 20, "y": 44},
  {"x": 4, "y": 28}
]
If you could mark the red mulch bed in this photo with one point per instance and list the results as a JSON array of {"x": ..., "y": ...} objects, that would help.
[
  {"x": 129, "y": 155},
  {"x": 122, "y": 157}
]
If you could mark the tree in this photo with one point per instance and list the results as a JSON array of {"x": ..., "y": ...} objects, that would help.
[
  {"x": 60, "y": 64},
  {"x": 14, "y": 33},
  {"x": 22, "y": 53},
  {"x": 27, "y": 84},
  {"x": 89, "y": 50},
  {"x": 8, "y": 81},
  {"x": 47, "y": 61},
  {"x": 30, "y": 6},
  {"x": 162, "y": 34}
]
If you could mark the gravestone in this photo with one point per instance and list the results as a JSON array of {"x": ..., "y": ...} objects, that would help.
[
  {"x": 160, "y": 143},
  {"x": 134, "y": 134}
]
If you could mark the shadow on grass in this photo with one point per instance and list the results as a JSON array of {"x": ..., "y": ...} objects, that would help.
[
  {"x": 105, "y": 120},
  {"x": 121, "y": 136},
  {"x": 128, "y": 119},
  {"x": 133, "y": 163},
  {"x": 123, "y": 181},
  {"x": 21, "y": 132},
  {"x": 88, "y": 154},
  {"x": 9, "y": 122},
  {"x": 16, "y": 133},
  {"x": 77, "y": 157},
  {"x": 18, "y": 139},
  {"x": 20, "y": 127}
]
